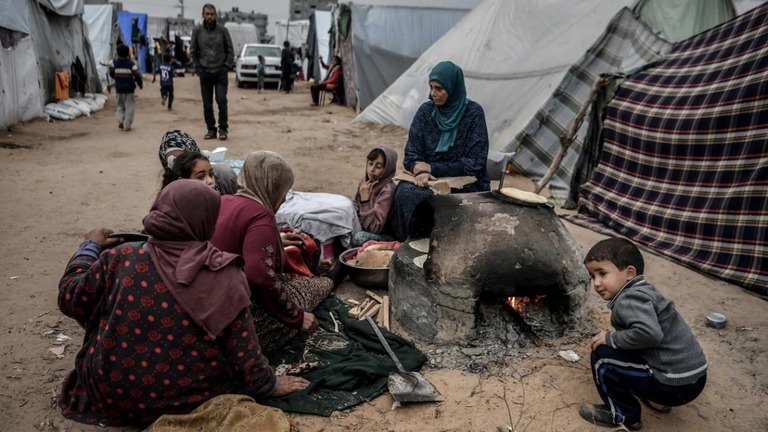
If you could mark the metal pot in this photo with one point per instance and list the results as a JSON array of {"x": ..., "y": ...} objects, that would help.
[{"x": 365, "y": 276}]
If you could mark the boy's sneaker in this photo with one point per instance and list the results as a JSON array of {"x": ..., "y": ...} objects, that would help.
[
  {"x": 164, "y": 99},
  {"x": 600, "y": 415}
]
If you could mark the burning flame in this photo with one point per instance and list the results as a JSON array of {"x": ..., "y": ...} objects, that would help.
[{"x": 519, "y": 304}]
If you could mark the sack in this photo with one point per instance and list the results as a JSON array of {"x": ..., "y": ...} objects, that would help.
[{"x": 60, "y": 111}]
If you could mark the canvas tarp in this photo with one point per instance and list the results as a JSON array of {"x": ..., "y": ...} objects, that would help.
[
  {"x": 318, "y": 44},
  {"x": 512, "y": 60},
  {"x": 684, "y": 163},
  {"x": 680, "y": 19},
  {"x": 293, "y": 31},
  {"x": 627, "y": 44},
  {"x": 133, "y": 28},
  {"x": 58, "y": 40},
  {"x": 100, "y": 22},
  {"x": 386, "y": 40}
]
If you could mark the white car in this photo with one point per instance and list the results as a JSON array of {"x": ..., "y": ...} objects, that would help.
[{"x": 245, "y": 67}]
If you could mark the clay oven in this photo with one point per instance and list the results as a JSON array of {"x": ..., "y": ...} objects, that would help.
[{"x": 492, "y": 269}]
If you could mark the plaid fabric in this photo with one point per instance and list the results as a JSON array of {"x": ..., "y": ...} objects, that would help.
[
  {"x": 684, "y": 167},
  {"x": 626, "y": 45}
]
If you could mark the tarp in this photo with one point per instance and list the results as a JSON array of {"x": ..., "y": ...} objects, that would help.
[
  {"x": 295, "y": 32},
  {"x": 318, "y": 44},
  {"x": 627, "y": 44},
  {"x": 133, "y": 27},
  {"x": 679, "y": 19},
  {"x": 241, "y": 34},
  {"x": 511, "y": 57},
  {"x": 19, "y": 84},
  {"x": 99, "y": 18},
  {"x": 684, "y": 164},
  {"x": 386, "y": 40},
  {"x": 64, "y": 7}
]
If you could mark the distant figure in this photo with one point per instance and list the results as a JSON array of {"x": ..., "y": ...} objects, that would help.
[
  {"x": 330, "y": 83},
  {"x": 166, "y": 71},
  {"x": 213, "y": 56},
  {"x": 261, "y": 71},
  {"x": 127, "y": 77},
  {"x": 286, "y": 67}
]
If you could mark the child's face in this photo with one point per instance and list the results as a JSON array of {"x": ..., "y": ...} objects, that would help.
[
  {"x": 607, "y": 279},
  {"x": 203, "y": 171},
  {"x": 375, "y": 168}
]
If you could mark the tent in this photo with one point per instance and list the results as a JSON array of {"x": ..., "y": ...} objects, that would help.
[
  {"x": 318, "y": 44},
  {"x": 512, "y": 60},
  {"x": 38, "y": 40},
  {"x": 386, "y": 40},
  {"x": 540, "y": 78},
  {"x": 241, "y": 34},
  {"x": 683, "y": 163},
  {"x": 102, "y": 33},
  {"x": 133, "y": 29},
  {"x": 293, "y": 31}
]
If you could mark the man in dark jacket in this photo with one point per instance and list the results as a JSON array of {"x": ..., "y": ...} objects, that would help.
[
  {"x": 213, "y": 56},
  {"x": 286, "y": 67}
]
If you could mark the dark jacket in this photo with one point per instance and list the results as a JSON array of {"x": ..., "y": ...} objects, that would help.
[
  {"x": 211, "y": 48},
  {"x": 126, "y": 75}
]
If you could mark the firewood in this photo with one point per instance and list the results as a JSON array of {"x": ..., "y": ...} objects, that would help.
[
  {"x": 373, "y": 296},
  {"x": 384, "y": 312},
  {"x": 353, "y": 302},
  {"x": 370, "y": 312},
  {"x": 371, "y": 304},
  {"x": 356, "y": 311}
]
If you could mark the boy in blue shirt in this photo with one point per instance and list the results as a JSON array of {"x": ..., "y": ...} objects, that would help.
[
  {"x": 127, "y": 77},
  {"x": 166, "y": 71}
]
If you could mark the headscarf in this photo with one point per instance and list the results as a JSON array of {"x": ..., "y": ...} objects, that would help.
[
  {"x": 448, "y": 116},
  {"x": 180, "y": 223},
  {"x": 266, "y": 177},
  {"x": 390, "y": 165},
  {"x": 175, "y": 140}
]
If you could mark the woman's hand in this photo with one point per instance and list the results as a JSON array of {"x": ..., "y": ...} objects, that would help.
[
  {"x": 422, "y": 167},
  {"x": 598, "y": 340},
  {"x": 310, "y": 323},
  {"x": 292, "y": 239},
  {"x": 365, "y": 190},
  {"x": 423, "y": 179},
  {"x": 287, "y": 384},
  {"x": 101, "y": 236}
]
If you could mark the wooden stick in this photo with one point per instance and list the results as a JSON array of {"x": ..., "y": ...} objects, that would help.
[
  {"x": 335, "y": 323},
  {"x": 364, "y": 311},
  {"x": 359, "y": 309},
  {"x": 370, "y": 312},
  {"x": 353, "y": 302},
  {"x": 385, "y": 311},
  {"x": 373, "y": 296}
]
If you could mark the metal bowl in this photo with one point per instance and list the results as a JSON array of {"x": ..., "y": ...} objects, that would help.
[
  {"x": 365, "y": 276},
  {"x": 716, "y": 320}
]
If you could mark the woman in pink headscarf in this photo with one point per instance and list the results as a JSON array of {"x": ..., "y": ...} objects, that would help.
[{"x": 167, "y": 324}]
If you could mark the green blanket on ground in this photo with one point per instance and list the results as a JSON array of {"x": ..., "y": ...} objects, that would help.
[{"x": 353, "y": 365}]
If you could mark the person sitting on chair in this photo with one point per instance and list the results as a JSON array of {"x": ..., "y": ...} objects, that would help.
[{"x": 330, "y": 83}]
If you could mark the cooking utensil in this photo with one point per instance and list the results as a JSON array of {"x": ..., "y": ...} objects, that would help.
[
  {"x": 406, "y": 386},
  {"x": 365, "y": 276}
]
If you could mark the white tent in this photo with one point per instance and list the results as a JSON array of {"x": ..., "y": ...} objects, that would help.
[
  {"x": 511, "y": 57},
  {"x": 295, "y": 32},
  {"x": 100, "y": 22},
  {"x": 241, "y": 34}
]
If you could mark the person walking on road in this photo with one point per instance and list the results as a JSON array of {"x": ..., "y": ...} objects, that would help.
[{"x": 213, "y": 56}]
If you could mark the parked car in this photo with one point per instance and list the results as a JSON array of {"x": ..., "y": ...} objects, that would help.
[{"x": 245, "y": 67}]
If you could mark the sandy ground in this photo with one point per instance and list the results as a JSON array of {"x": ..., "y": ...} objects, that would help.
[{"x": 62, "y": 179}]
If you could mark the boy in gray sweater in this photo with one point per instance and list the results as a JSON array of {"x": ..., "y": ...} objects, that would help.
[{"x": 651, "y": 355}]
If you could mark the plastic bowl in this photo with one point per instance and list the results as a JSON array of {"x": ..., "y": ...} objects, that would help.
[
  {"x": 365, "y": 276},
  {"x": 716, "y": 320}
]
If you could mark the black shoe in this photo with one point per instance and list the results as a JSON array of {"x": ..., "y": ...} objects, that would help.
[
  {"x": 600, "y": 415},
  {"x": 210, "y": 135},
  {"x": 223, "y": 135}
]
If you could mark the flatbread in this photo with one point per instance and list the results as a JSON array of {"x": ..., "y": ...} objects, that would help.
[
  {"x": 420, "y": 260},
  {"x": 378, "y": 259},
  {"x": 421, "y": 245},
  {"x": 521, "y": 195}
]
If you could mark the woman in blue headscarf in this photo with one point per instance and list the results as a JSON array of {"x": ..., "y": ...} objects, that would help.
[{"x": 448, "y": 138}]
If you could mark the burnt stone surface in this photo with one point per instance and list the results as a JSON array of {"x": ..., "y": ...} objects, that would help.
[{"x": 483, "y": 250}]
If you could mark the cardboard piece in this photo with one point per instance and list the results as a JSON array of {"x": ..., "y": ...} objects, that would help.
[{"x": 441, "y": 186}]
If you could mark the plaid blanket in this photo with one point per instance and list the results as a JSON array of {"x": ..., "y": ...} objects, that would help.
[
  {"x": 626, "y": 45},
  {"x": 684, "y": 166}
]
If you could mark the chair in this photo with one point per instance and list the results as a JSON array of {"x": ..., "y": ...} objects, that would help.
[{"x": 322, "y": 96}]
